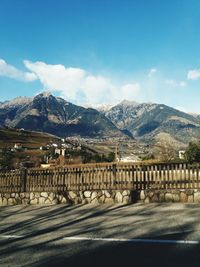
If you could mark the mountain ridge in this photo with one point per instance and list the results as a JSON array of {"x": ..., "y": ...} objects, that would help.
[
  {"x": 146, "y": 121},
  {"x": 57, "y": 116},
  {"x": 128, "y": 119}
]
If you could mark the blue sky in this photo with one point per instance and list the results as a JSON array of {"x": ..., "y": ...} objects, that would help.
[{"x": 102, "y": 51}]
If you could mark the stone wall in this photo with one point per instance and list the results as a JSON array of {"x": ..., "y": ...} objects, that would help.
[
  {"x": 101, "y": 196},
  {"x": 170, "y": 195},
  {"x": 69, "y": 197}
]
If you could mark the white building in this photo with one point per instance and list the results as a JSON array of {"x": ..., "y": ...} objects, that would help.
[
  {"x": 181, "y": 154},
  {"x": 132, "y": 158},
  {"x": 60, "y": 151}
]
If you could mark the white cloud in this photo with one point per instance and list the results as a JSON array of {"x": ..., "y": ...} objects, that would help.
[
  {"x": 11, "y": 72},
  {"x": 130, "y": 90},
  {"x": 80, "y": 86},
  {"x": 174, "y": 83},
  {"x": 152, "y": 72},
  {"x": 193, "y": 74},
  {"x": 57, "y": 77}
]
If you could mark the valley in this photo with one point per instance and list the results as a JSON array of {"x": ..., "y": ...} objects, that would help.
[{"x": 128, "y": 132}]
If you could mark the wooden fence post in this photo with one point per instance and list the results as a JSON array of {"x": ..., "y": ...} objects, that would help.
[
  {"x": 23, "y": 179},
  {"x": 114, "y": 169}
]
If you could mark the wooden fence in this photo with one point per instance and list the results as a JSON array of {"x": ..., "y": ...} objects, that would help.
[{"x": 102, "y": 176}]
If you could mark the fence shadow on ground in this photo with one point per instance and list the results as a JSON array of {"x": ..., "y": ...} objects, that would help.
[{"x": 43, "y": 228}]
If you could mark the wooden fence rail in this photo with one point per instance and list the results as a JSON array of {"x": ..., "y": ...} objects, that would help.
[{"x": 102, "y": 176}]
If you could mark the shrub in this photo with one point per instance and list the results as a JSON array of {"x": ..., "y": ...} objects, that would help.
[{"x": 192, "y": 153}]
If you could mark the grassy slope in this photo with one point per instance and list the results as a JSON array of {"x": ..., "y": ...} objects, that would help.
[{"x": 8, "y": 137}]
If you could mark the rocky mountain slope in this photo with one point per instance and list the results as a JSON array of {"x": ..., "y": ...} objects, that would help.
[
  {"x": 149, "y": 122},
  {"x": 56, "y": 116}
]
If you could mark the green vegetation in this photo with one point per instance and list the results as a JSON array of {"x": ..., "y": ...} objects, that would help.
[
  {"x": 148, "y": 157},
  {"x": 192, "y": 153},
  {"x": 88, "y": 157},
  {"x": 6, "y": 159}
]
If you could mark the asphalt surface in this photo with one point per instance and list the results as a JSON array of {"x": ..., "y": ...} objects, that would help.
[{"x": 88, "y": 235}]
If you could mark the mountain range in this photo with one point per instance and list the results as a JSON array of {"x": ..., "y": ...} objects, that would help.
[
  {"x": 152, "y": 122},
  {"x": 148, "y": 122},
  {"x": 55, "y": 115}
]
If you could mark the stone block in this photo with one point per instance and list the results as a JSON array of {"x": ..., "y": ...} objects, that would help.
[
  {"x": 84, "y": 201},
  {"x": 44, "y": 194},
  {"x": 22, "y": 195},
  {"x": 169, "y": 197},
  {"x": 189, "y": 192},
  {"x": 94, "y": 195},
  {"x": 34, "y": 201},
  {"x": 197, "y": 197},
  {"x": 118, "y": 197},
  {"x": 37, "y": 195},
  {"x": 7, "y": 195},
  {"x": 54, "y": 201},
  {"x": 87, "y": 194},
  {"x": 183, "y": 197},
  {"x": 87, "y": 200},
  {"x": 12, "y": 201},
  {"x": 64, "y": 200},
  {"x": 47, "y": 201},
  {"x": 150, "y": 194},
  {"x": 4, "y": 201},
  {"x": 147, "y": 200},
  {"x": 13, "y": 195},
  {"x": 174, "y": 191},
  {"x": 125, "y": 193},
  {"x": 25, "y": 201},
  {"x": 1, "y": 201},
  {"x": 162, "y": 197},
  {"x": 100, "y": 193},
  {"x": 109, "y": 200},
  {"x": 27, "y": 195},
  {"x": 72, "y": 195},
  {"x": 142, "y": 195},
  {"x": 32, "y": 196},
  {"x": 77, "y": 200},
  {"x": 126, "y": 199},
  {"x": 41, "y": 200},
  {"x": 107, "y": 193},
  {"x": 101, "y": 199},
  {"x": 190, "y": 199},
  {"x": 52, "y": 195},
  {"x": 59, "y": 197},
  {"x": 155, "y": 198},
  {"x": 81, "y": 195},
  {"x": 94, "y": 201},
  {"x": 176, "y": 197}
]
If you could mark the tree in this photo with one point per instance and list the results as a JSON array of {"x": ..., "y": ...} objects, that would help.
[
  {"x": 6, "y": 159},
  {"x": 192, "y": 153},
  {"x": 111, "y": 157}
]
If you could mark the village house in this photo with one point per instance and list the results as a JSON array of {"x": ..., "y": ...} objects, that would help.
[
  {"x": 17, "y": 146},
  {"x": 181, "y": 154}
]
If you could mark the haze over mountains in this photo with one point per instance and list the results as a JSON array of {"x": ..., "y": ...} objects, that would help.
[{"x": 148, "y": 122}]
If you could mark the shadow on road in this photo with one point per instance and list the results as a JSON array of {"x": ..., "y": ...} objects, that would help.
[{"x": 43, "y": 229}]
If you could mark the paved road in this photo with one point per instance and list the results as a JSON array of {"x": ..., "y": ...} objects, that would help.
[{"x": 119, "y": 235}]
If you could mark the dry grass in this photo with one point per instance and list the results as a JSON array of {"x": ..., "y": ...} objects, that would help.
[{"x": 32, "y": 140}]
